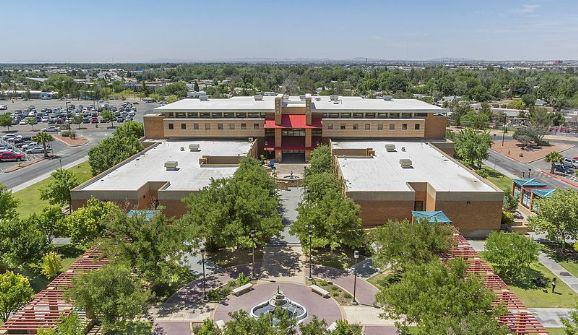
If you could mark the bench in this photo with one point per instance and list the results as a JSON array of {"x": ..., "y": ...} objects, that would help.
[
  {"x": 319, "y": 291},
  {"x": 242, "y": 289},
  {"x": 220, "y": 324}
]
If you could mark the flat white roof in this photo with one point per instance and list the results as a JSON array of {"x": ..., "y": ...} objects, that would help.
[
  {"x": 383, "y": 172},
  {"x": 319, "y": 104},
  {"x": 190, "y": 176}
]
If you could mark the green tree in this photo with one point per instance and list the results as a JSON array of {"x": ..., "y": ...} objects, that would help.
[
  {"x": 31, "y": 121},
  {"x": 401, "y": 244},
  {"x": 112, "y": 296},
  {"x": 58, "y": 190},
  {"x": 553, "y": 158},
  {"x": 557, "y": 216},
  {"x": 89, "y": 222},
  {"x": 430, "y": 293},
  {"x": 321, "y": 160},
  {"x": 67, "y": 325},
  {"x": 511, "y": 256},
  {"x": 108, "y": 116},
  {"x": 49, "y": 221},
  {"x": 224, "y": 213},
  {"x": 21, "y": 242},
  {"x": 8, "y": 204},
  {"x": 111, "y": 151},
  {"x": 6, "y": 120},
  {"x": 172, "y": 98},
  {"x": 571, "y": 323},
  {"x": 15, "y": 292},
  {"x": 476, "y": 120},
  {"x": 472, "y": 147},
  {"x": 153, "y": 248},
  {"x": 130, "y": 129},
  {"x": 51, "y": 265},
  {"x": 44, "y": 138},
  {"x": 77, "y": 120}
]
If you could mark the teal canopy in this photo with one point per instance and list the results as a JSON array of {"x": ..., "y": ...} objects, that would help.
[
  {"x": 543, "y": 193},
  {"x": 431, "y": 216},
  {"x": 529, "y": 182}
]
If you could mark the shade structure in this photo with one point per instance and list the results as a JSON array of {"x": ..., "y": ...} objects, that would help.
[{"x": 529, "y": 182}]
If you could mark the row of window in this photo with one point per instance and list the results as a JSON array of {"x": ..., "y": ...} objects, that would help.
[
  {"x": 355, "y": 126},
  {"x": 375, "y": 115},
  {"x": 220, "y": 126},
  {"x": 249, "y": 115}
]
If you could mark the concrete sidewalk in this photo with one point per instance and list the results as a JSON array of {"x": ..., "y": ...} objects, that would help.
[
  {"x": 551, "y": 317},
  {"x": 559, "y": 271}
]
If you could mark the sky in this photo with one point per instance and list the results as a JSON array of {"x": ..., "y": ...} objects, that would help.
[{"x": 221, "y": 30}]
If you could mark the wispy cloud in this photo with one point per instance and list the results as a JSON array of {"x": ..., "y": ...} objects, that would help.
[{"x": 529, "y": 8}]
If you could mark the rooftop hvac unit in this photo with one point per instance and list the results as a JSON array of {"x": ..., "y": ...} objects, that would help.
[
  {"x": 405, "y": 163},
  {"x": 334, "y": 97},
  {"x": 171, "y": 165},
  {"x": 203, "y": 98},
  {"x": 302, "y": 97},
  {"x": 194, "y": 147},
  {"x": 387, "y": 97},
  {"x": 251, "y": 139},
  {"x": 258, "y": 97},
  {"x": 403, "y": 149},
  {"x": 390, "y": 147}
]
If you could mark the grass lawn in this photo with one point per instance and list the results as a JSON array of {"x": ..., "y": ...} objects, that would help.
[
  {"x": 571, "y": 266},
  {"x": 498, "y": 179},
  {"x": 29, "y": 197},
  {"x": 378, "y": 279},
  {"x": 542, "y": 297},
  {"x": 556, "y": 331},
  {"x": 564, "y": 255}
]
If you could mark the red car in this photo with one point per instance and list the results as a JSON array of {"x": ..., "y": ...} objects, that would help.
[{"x": 8, "y": 156}]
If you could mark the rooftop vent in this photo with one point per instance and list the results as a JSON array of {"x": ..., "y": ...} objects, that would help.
[
  {"x": 403, "y": 149},
  {"x": 194, "y": 147},
  {"x": 387, "y": 97},
  {"x": 390, "y": 147},
  {"x": 203, "y": 98},
  {"x": 334, "y": 97},
  {"x": 258, "y": 97},
  {"x": 405, "y": 163},
  {"x": 171, "y": 165}
]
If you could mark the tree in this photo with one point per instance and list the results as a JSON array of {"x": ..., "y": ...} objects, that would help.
[
  {"x": 57, "y": 191},
  {"x": 571, "y": 323},
  {"x": 321, "y": 160},
  {"x": 89, "y": 222},
  {"x": 401, "y": 244},
  {"x": 224, "y": 213},
  {"x": 430, "y": 293},
  {"x": 44, "y": 138},
  {"x": 67, "y": 325},
  {"x": 21, "y": 242},
  {"x": 8, "y": 204},
  {"x": 108, "y": 116},
  {"x": 539, "y": 125},
  {"x": 476, "y": 120},
  {"x": 31, "y": 120},
  {"x": 172, "y": 98},
  {"x": 553, "y": 158},
  {"x": 472, "y": 147},
  {"x": 6, "y": 120},
  {"x": 51, "y": 265},
  {"x": 15, "y": 292},
  {"x": 77, "y": 120},
  {"x": 153, "y": 248},
  {"x": 557, "y": 216},
  {"x": 511, "y": 256},
  {"x": 130, "y": 129},
  {"x": 111, "y": 151},
  {"x": 112, "y": 296}
]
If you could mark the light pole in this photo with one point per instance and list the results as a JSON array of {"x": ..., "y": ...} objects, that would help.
[
  {"x": 252, "y": 234},
  {"x": 505, "y": 128},
  {"x": 529, "y": 171},
  {"x": 310, "y": 233},
  {"x": 355, "y": 256},
  {"x": 204, "y": 277}
]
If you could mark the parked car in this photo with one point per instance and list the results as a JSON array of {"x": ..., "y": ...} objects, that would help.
[
  {"x": 35, "y": 150},
  {"x": 51, "y": 129},
  {"x": 570, "y": 162},
  {"x": 94, "y": 119},
  {"x": 3, "y": 107},
  {"x": 120, "y": 119},
  {"x": 8, "y": 156},
  {"x": 562, "y": 169}
]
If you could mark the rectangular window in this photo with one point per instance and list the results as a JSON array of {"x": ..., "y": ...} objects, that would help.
[
  {"x": 355, "y": 126},
  {"x": 231, "y": 126},
  {"x": 380, "y": 126},
  {"x": 183, "y": 126},
  {"x": 171, "y": 126},
  {"x": 330, "y": 126},
  {"x": 181, "y": 115},
  {"x": 243, "y": 126},
  {"x": 195, "y": 126},
  {"x": 342, "y": 127},
  {"x": 255, "y": 126},
  {"x": 406, "y": 115},
  {"x": 220, "y": 126},
  {"x": 404, "y": 126},
  {"x": 367, "y": 126},
  {"x": 417, "y": 126},
  {"x": 392, "y": 126},
  {"x": 207, "y": 126}
]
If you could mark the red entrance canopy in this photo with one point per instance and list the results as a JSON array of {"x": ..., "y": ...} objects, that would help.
[{"x": 296, "y": 121}]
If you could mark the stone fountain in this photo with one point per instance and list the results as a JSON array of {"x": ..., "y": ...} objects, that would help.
[{"x": 279, "y": 299}]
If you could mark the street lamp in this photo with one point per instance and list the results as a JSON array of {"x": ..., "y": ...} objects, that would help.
[
  {"x": 204, "y": 276},
  {"x": 529, "y": 171},
  {"x": 355, "y": 256},
  {"x": 505, "y": 128},
  {"x": 252, "y": 234},
  {"x": 310, "y": 233}
]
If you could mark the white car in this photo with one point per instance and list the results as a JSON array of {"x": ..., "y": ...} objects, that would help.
[
  {"x": 35, "y": 150},
  {"x": 570, "y": 161},
  {"x": 3, "y": 107}
]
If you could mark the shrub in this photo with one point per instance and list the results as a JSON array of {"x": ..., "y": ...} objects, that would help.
[{"x": 51, "y": 265}]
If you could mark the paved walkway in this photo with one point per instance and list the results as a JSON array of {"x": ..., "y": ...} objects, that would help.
[
  {"x": 551, "y": 317},
  {"x": 559, "y": 271}
]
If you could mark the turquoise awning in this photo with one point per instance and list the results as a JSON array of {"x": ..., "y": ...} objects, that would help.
[
  {"x": 148, "y": 214},
  {"x": 544, "y": 193},
  {"x": 431, "y": 216},
  {"x": 529, "y": 182}
]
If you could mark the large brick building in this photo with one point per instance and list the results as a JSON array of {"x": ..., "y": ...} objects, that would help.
[{"x": 202, "y": 139}]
